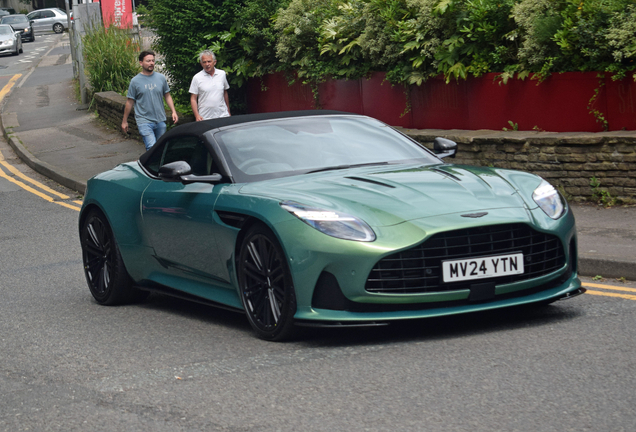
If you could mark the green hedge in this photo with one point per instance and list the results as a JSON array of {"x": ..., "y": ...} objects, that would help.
[{"x": 411, "y": 40}]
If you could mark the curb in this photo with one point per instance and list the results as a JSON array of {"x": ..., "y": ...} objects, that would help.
[
  {"x": 55, "y": 174},
  {"x": 608, "y": 268}
]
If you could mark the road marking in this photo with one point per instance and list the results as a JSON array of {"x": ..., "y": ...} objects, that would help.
[
  {"x": 42, "y": 186},
  {"x": 608, "y": 294},
  {"x": 8, "y": 86},
  {"x": 28, "y": 188},
  {"x": 608, "y": 287}
]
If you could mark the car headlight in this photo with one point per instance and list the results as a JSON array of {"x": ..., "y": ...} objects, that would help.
[
  {"x": 549, "y": 199},
  {"x": 7, "y": 42},
  {"x": 332, "y": 223}
]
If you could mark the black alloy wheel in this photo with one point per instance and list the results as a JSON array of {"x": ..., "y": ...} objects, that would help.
[
  {"x": 267, "y": 291},
  {"x": 58, "y": 28},
  {"x": 104, "y": 268}
]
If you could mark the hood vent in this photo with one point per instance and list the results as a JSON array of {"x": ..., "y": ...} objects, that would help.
[
  {"x": 447, "y": 174},
  {"x": 375, "y": 182}
]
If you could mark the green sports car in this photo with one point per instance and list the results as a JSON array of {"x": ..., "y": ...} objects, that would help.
[{"x": 323, "y": 218}]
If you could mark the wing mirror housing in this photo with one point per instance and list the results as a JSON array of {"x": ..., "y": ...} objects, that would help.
[
  {"x": 181, "y": 172},
  {"x": 173, "y": 171},
  {"x": 444, "y": 147}
]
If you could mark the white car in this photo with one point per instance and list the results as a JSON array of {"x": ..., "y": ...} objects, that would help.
[
  {"x": 49, "y": 19},
  {"x": 10, "y": 40}
]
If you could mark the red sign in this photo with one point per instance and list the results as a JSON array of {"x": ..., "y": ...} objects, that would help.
[{"x": 117, "y": 13}]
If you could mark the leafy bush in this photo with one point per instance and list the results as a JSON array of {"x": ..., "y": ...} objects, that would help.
[
  {"x": 411, "y": 40},
  {"x": 110, "y": 58},
  {"x": 571, "y": 35},
  {"x": 620, "y": 39},
  {"x": 238, "y": 32}
]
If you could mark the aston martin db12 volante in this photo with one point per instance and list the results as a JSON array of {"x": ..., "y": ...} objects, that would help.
[{"x": 323, "y": 218}]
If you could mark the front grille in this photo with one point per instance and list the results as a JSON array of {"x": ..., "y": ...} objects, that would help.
[{"x": 419, "y": 270}]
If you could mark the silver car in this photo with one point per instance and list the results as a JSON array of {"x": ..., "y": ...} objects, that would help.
[
  {"x": 48, "y": 19},
  {"x": 10, "y": 40}
]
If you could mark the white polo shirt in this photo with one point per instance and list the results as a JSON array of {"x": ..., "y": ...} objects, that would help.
[{"x": 210, "y": 90}]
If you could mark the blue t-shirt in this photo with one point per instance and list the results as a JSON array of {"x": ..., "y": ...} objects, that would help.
[{"x": 147, "y": 92}]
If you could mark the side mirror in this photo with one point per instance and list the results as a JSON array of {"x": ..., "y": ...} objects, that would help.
[
  {"x": 444, "y": 147},
  {"x": 181, "y": 172},
  {"x": 173, "y": 171}
]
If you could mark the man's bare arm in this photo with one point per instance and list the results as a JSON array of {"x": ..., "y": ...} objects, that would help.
[{"x": 130, "y": 103}]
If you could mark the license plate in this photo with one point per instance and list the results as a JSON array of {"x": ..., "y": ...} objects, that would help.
[{"x": 484, "y": 267}]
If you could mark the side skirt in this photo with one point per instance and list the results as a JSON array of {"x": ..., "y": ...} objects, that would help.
[{"x": 162, "y": 289}]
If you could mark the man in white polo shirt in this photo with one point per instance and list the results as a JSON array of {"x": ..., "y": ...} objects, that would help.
[{"x": 208, "y": 90}]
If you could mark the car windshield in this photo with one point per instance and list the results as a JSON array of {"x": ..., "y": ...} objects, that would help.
[
  {"x": 294, "y": 146},
  {"x": 14, "y": 19},
  {"x": 6, "y": 30}
]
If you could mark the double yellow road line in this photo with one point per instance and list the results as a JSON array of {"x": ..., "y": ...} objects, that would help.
[
  {"x": 44, "y": 191},
  {"x": 607, "y": 291}
]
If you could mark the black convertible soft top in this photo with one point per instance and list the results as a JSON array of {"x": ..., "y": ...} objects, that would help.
[{"x": 201, "y": 127}]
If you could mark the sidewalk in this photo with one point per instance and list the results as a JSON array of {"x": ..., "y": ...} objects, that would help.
[{"x": 45, "y": 124}]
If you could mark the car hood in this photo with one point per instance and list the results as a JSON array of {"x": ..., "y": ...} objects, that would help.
[
  {"x": 4, "y": 37},
  {"x": 390, "y": 196}
]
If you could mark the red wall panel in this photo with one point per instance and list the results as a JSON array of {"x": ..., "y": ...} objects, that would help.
[{"x": 561, "y": 103}]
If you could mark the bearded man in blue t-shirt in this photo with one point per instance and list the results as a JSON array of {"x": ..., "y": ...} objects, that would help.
[{"x": 146, "y": 93}]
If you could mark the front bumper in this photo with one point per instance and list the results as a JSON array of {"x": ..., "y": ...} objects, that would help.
[
  {"x": 348, "y": 264},
  {"x": 324, "y": 317}
]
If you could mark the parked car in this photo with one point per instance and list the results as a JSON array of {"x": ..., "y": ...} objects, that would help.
[
  {"x": 4, "y": 12},
  {"x": 8, "y": 10},
  {"x": 322, "y": 218},
  {"x": 10, "y": 40},
  {"x": 20, "y": 23},
  {"x": 49, "y": 19}
]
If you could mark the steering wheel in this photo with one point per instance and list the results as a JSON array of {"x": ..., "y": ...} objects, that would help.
[{"x": 251, "y": 162}]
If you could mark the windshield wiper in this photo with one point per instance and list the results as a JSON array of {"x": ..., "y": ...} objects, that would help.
[{"x": 339, "y": 167}]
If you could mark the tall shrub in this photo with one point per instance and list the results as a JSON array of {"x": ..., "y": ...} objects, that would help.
[
  {"x": 412, "y": 40},
  {"x": 238, "y": 31},
  {"x": 110, "y": 58},
  {"x": 573, "y": 35}
]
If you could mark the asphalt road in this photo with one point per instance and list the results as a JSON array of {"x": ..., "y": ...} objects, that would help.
[{"x": 69, "y": 364}]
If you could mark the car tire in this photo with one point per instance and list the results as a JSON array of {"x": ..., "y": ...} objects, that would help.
[
  {"x": 21, "y": 49},
  {"x": 17, "y": 51},
  {"x": 107, "y": 278},
  {"x": 266, "y": 287},
  {"x": 58, "y": 28}
]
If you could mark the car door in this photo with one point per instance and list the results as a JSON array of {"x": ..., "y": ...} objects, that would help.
[
  {"x": 36, "y": 17},
  {"x": 46, "y": 20},
  {"x": 179, "y": 219}
]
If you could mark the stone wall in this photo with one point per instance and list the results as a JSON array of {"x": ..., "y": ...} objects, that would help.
[
  {"x": 110, "y": 109},
  {"x": 567, "y": 160}
]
